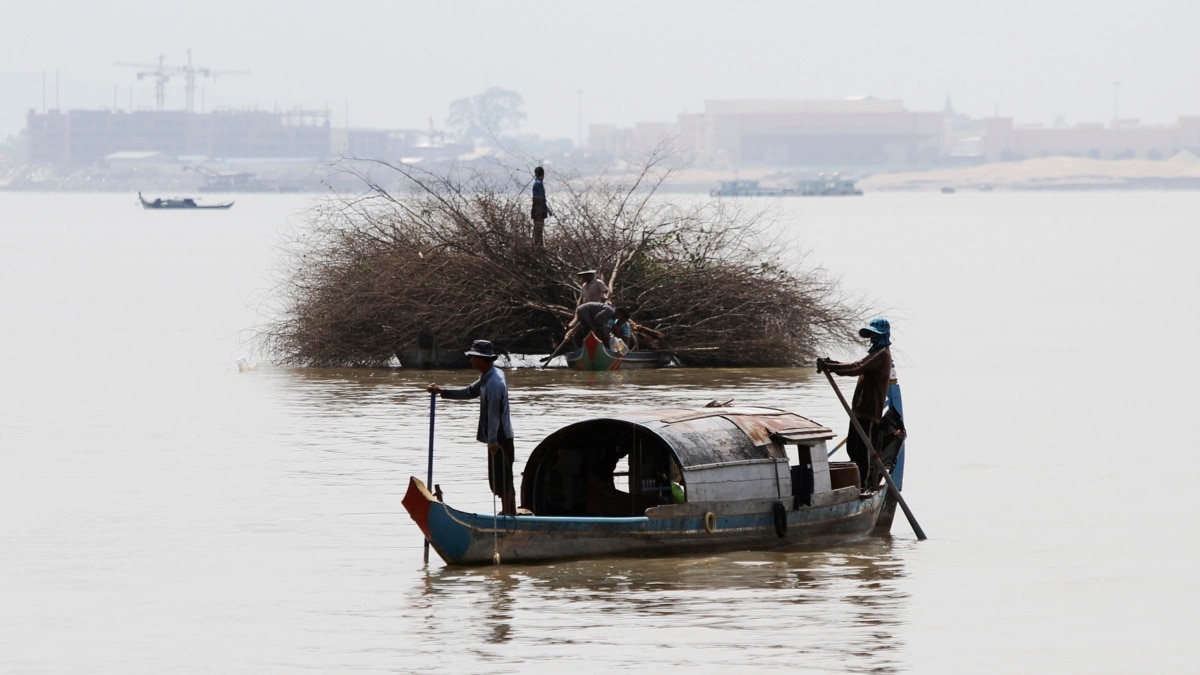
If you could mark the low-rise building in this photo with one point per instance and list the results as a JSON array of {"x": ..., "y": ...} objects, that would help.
[{"x": 87, "y": 137}]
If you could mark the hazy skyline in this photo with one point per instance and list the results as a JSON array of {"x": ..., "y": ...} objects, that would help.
[{"x": 398, "y": 65}]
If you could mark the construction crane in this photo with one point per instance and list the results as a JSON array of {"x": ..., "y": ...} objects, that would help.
[{"x": 162, "y": 73}]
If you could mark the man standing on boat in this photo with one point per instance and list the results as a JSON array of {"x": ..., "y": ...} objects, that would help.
[
  {"x": 495, "y": 426},
  {"x": 874, "y": 372},
  {"x": 540, "y": 208},
  {"x": 591, "y": 289},
  {"x": 592, "y": 312},
  {"x": 593, "y": 309}
]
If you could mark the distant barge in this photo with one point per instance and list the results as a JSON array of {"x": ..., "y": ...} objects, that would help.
[
  {"x": 179, "y": 203},
  {"x": 820, "y": 187}
]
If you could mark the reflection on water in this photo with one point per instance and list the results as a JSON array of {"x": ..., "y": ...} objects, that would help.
[
  {"x": 842, "y": 608},
  {"x": 162, "y": 512}
]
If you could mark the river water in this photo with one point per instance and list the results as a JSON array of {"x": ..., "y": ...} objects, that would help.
[{"x": 163, "y": 511}]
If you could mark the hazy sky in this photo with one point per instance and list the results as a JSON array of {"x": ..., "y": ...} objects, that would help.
[{"x": 397, "y": 64}]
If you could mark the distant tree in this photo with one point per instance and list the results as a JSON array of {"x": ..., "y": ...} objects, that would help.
[
  {"x": 15, "y": 147},
  {"x": 494, "y": 114}
]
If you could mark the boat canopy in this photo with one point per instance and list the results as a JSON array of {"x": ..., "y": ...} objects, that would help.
[{"x": 627, "y": 463}]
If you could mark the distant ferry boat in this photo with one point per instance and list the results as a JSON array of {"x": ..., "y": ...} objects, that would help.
[
  {"x": 178, "y": 203},
  {"x": 818, "y": 187}
]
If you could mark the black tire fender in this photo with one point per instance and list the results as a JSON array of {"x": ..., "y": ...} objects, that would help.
[{"x": 779, "y": 515}]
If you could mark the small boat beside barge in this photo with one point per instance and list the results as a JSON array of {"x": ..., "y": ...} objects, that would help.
[
  {"x": 595, "y": 355},
  {"x": 178, "y": 203},
  {"x": 663, "y": 483}
]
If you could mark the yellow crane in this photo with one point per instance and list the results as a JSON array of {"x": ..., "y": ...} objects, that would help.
[{"x": 162, "y": 73}]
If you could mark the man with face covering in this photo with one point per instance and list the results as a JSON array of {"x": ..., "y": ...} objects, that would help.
[{"x": 873, "y": 371}]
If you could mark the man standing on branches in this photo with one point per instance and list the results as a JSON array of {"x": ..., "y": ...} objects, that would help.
[
  {"x": 540, "y": 209},
  {"x": 495, "y": 426},
  {"x": 874, "y": 371}
]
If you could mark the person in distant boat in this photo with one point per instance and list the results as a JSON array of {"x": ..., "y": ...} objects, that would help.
[
  {"x": 540, "y": 209},
  {"x": 591, "y": 289},
  {"x": 592, "y": 312},
  {"x": 873, "y": 371},
  {"x": 619, "y": 326},
  {"x": 596, "y": 317},
  {"x": 495, "y": 425}
]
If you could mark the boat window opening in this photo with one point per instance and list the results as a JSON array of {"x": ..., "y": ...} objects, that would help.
[
  {"x": 799, "y": 459},
  {"x": 600, "y": 470}
]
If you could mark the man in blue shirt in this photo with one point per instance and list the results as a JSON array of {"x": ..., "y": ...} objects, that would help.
[
  {"x": 540, "y": 208},
  {"x": 495, "y": 427}
]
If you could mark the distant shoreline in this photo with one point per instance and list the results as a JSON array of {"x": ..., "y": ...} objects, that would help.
[{"x": 1181, "y": 172}]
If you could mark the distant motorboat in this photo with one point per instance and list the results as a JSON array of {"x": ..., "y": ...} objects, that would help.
[
  {"x": 947, "y": 190},
  {"x": 178, "y": 203}
]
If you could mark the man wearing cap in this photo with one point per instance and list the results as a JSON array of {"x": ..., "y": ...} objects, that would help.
[
  {"x": 495, "y": 427},
  {"x": 873, "y": 371}
]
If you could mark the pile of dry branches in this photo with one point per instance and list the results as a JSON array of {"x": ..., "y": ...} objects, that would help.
[{"x": 442, "y": 259}]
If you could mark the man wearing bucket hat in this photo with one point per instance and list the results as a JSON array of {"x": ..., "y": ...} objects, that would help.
[
  {"x": 873, "y": 372},
  {"x": 495, "y": 426}
]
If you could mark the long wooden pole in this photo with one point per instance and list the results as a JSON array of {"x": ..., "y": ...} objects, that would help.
[
  {"x": 892, "y": 489},
  {"x": 562, "y": 345},
  {"x": 429, "y": 474}
]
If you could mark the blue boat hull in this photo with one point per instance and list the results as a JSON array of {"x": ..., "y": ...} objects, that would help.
[{"x": 462, "y": 538}]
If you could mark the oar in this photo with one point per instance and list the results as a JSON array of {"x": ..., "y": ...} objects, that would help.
[
  {"x": 838, "y": 446},
  {"x": 562, "y": 346},
  {"x": 895, "y": 492},
  {"x": 429, "y": 475}
]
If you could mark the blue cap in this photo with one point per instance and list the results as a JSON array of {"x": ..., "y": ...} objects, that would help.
[{"x": 878, "y": 326}]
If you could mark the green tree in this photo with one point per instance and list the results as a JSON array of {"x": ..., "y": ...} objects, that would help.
[{"x": 494, "y": 114}]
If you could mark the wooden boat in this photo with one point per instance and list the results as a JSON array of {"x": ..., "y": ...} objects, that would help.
[
  {"x": 663, "y": 483},
  {"x": 179, "y": 203},
  {"x": 595, "y": 355}
]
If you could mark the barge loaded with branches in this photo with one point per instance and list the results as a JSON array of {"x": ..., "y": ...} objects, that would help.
[
  {"x": 665, "y": 483},
  {"x": 422, "y": 262}
]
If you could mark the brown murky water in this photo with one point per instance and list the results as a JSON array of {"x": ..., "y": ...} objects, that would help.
[{"x": 161, "y": 511}]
